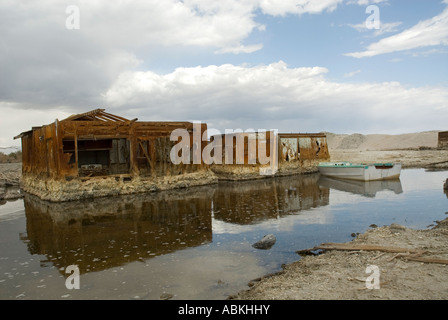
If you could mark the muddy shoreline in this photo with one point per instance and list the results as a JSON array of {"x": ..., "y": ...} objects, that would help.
[
  {"x": 410, "y": 265},
  {"x": 10, "y": 174},
  {"x": 341, "y": 274}
]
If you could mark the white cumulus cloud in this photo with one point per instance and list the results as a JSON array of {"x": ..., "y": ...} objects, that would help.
[
  {"x": 430, "y": 32},
  {"x": 276, "y": 96}
]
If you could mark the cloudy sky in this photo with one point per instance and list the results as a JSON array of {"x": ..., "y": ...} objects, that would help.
[{"x": 345, "y": 66}]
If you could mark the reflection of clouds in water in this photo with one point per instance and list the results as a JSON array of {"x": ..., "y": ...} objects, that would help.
[
  {"x": 284, "y": 223},
  {"x": 341, "y": 197},
  {"x": 338, "y": 197},
  {"x": 419, "y": 179},
  {"x": 207, "y": 273},
  {"x": 12, "y": 210},
  {"x": 220, "y": 227},
  {"x": 308, "y": 217},
  {"x": 267, "y": 201}
]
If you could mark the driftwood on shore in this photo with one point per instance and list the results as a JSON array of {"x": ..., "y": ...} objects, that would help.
[
  {"x": 357, "y": 247},
  {"x": 11, "y": 179},
  {"x": 405, "y": 253},
  {"x": 436, "y": 163}
]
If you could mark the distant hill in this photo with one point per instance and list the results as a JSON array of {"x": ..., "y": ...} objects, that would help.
[
  {"x": 382, "y": 141},
  {"x": 8, "y": 150},
  {"x": 10, "y": 154}
]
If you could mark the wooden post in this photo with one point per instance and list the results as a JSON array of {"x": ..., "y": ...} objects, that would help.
[
  {"x": 146, "y": 154},
  {"x": 133, "y": 150},
  {"x": 58, "y": 148},
  {"x": 76, "y": 151}
]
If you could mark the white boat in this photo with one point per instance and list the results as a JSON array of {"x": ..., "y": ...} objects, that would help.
[{"x": 359, "y": 171}]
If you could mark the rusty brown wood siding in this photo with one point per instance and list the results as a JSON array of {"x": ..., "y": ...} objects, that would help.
[
  {"x": 153, "y": 141},
  {"x": 301, "y": 147},
  {"x": 39, "y": 149},
  {"x": 44, "y": 156},
  {"x": 234, "y": 141},
  {"x": 291, "y": 147}
]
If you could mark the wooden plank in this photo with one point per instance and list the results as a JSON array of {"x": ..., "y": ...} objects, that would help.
[
  {"x": 101, "y": 118},
  {"x": 114, "y": 117},
  {"x": 359, "y": 247},
  {"x": 146, "y": 155},
  {"x": 301, "y": 135},
  {"x": 76, "y": 151},
  {"x": 80, "y": 115},
  {"x": 427, "y": 260}
]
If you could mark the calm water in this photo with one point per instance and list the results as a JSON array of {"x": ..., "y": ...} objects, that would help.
[{"x": 197, "y": 243}]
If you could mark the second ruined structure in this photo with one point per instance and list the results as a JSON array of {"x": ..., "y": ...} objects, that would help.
[{"x": 260, "y": 154}]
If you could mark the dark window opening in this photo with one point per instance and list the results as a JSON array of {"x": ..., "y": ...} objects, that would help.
[{"x": 99, "y": 157}]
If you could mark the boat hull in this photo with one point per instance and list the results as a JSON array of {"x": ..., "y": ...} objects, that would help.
[{"x": 361, "y": 172}]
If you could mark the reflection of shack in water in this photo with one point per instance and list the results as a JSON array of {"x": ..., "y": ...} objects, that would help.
[
  {"x": 255, "y": 201},
  {"x": 364, "y": 188},
  {"x": 107, "y": 232}
]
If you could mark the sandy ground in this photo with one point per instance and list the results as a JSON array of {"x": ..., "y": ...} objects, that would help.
[
  {"x": 409, "y": 158},
  {"x": 416, "y": 140},
  {"x": 10, "y": 181},
  {"x": 413, "y": 150},
  {"x": 343, "y": 275}
]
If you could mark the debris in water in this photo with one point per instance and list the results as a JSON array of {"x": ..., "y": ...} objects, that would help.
[{"x": 266, "y": 242}]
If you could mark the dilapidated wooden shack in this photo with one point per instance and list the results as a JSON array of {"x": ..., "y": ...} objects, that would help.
[
  {"x": 249, "y": 155},
  {"x": 97, "y": 144}
]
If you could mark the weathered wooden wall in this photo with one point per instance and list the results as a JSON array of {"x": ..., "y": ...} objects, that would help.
[
  {"x": 151, "y": 154},
  {"x": 53, "y": 151},
  {"x": 302, "y": 147},
  {"x": 243, "y": 148},
  {"x": 291, "y": 147},
  {"x": 39, "y": 152}
]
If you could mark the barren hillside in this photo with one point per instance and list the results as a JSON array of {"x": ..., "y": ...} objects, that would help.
[{"x": 382, "y": 141}]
